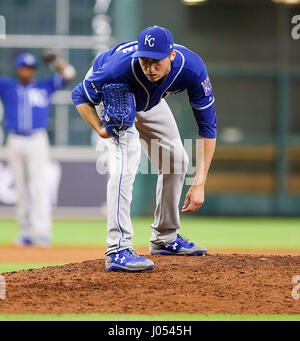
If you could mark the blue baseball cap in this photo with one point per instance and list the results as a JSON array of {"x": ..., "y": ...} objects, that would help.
[
  {"x": 26, "y": 59},
  {"x": 154, "y": 42}
]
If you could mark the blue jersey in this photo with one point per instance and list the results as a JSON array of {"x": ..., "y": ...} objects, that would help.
[
  {"x": 188, "y": 72},
  {"x": 27, "y": 107}
]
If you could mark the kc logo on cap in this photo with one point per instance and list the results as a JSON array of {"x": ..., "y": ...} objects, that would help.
[
  {"x": 154, "y": 42},
  {"x": 149, "y": 41}
]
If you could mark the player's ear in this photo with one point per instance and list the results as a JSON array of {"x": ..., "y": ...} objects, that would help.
[{"x": 172, "y": 55}]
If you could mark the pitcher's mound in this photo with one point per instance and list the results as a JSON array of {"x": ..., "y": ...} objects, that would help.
[{"x": 225, "y": 284}]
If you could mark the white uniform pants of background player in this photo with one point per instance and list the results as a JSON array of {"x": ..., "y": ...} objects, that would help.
[
  {"x": 28, "y": 157},
  {"x": 155, "y": 130}
]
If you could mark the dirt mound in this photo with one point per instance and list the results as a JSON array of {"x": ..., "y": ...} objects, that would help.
[{"x": 232, "y": 284}]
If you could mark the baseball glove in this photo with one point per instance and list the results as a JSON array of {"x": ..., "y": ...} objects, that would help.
[
  {"x": 50, "y": 56},
  {"x": 119, "y": 108}
]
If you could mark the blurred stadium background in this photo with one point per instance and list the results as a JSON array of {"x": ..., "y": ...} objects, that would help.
[
  {"x": 254, "y": 66},
  {"x": 253, "y": 190}
]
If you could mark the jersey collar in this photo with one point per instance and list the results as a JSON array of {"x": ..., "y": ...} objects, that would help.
[{"x": 176, "y": 68}]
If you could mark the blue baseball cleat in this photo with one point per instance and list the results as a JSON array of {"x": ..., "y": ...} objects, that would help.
[
  {"x": 181, "y": 246},
  {"x": 44, "y": 242},
  {"x": 24, "y": 241},
  {"x": 127, "y": 260}
]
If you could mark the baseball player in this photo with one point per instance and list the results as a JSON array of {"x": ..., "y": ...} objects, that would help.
[
  {"x": 152, "y": 68},
  {"x": 26, "y": 103}
]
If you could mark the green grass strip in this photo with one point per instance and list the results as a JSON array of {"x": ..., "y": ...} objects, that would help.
[
  {"x": 268, "y": 233},
  {"x": 9, "y": 267}
]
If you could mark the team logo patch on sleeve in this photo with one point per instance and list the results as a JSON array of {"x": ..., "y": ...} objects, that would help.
[
  {"x": 206, "y": 86},
  {"x": 94, "y": 86}
]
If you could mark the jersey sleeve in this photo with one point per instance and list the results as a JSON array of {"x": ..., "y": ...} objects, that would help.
[
  {"x": 202, "y": 101},
  {"x": 3, "y": 83},
  {"x": 54, "y": 82},
  {"x": 108, "y": 67},
  {"x": 89, "y": 90}
]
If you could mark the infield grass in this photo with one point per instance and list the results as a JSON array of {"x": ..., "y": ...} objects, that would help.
[
  {"x": 9, "y": 267},
  {"x": 277, "y": 233}
]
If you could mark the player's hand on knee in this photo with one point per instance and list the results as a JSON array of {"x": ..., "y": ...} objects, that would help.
[
  {"x": 103, "y": 133},
  {"x": 194, "y": 199}
]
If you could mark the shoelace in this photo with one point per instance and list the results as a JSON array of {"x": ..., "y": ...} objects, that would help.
[
  {"x": 184, "y": 238},
  {"x": 133, "y": 252}
]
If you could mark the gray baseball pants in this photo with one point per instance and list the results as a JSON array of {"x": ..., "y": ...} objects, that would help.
[{"x": 157, "y": 132}]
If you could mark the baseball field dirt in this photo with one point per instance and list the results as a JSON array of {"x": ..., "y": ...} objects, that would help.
[
  {"x": 215, "y": 284},
  {"x": 69, "y": 254}
]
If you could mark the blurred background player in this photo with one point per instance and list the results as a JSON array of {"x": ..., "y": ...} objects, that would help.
[{"x": 26, "y": 103}]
